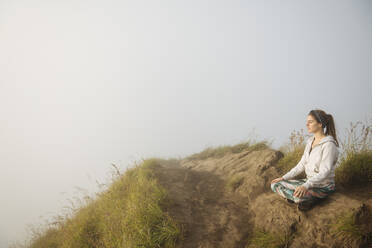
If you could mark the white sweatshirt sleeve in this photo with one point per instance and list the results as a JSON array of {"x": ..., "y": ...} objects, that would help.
[
  {"x": 328, "y": 160},
  {"x": 300, "y": 167}
]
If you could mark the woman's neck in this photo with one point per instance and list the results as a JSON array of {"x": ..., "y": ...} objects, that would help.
[{"x": 319, "y": 136}]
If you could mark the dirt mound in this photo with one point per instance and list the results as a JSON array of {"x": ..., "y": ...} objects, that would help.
[{"x": 214, "y": 215}]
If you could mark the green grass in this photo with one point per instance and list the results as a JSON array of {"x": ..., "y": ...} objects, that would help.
[
  {"x": 263, "y": 239},
  {"x": 129, "y": 214},
  {"x": 355, "y": 170}
]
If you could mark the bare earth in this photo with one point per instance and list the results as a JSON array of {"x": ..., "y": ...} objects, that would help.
[{"x": 213, "y": 216}]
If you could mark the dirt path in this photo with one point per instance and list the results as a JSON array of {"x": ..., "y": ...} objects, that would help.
[{"x": 212, "y": 216}]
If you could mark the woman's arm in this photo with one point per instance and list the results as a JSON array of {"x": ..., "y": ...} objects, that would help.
[
  {"x": 300, "y": 167},
  {"x": 329, "y": 159}
]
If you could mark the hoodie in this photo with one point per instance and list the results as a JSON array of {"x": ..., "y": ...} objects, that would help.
[{"x": 319, "y": 164}]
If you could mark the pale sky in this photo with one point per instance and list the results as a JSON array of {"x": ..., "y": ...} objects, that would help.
[{"x": 84, "y": 84}]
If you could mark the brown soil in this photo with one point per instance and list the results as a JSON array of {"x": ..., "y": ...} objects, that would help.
[{"x": 211, "y": 215}]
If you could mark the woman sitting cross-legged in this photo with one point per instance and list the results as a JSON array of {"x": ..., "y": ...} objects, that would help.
[{"x": 318, "y": 162}]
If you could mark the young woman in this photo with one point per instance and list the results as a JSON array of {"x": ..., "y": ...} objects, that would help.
[{"x": 318, "y": 162}]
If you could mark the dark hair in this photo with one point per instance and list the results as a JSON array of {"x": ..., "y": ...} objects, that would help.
[{"x": 327, "y": 122}]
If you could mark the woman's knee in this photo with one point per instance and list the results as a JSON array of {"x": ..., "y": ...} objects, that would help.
[{"x": 273, "y": 186}]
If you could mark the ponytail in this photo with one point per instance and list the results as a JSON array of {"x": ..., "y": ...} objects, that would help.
[{"x": 330, "y": 127}]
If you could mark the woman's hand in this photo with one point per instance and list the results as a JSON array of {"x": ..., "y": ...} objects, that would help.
[
  {"x": 277, "y": 179},
  {"x": 300, "y": 191}
]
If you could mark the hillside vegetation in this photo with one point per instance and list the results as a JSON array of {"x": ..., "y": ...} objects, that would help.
[{"x": 221, "y": 197}]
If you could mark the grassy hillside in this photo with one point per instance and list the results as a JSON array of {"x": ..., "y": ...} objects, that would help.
[
  {"x": 219, "y": 198},
  {"x": 128, "y": 214}
]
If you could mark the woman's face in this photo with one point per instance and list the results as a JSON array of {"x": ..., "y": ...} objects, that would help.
[{"x": 312, "y": 125}]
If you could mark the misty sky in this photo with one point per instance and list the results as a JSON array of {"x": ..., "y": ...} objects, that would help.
[{"x": 84, "y": 84}]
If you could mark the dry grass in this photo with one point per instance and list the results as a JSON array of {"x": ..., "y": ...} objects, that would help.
[
  {"x": 127, "y": 214},
  {"x": 130, "y": 212},
  {"x": 293, "y": 151},
  {"x": 220, "y": 151},
  {"x": 296, "y": 141},
  {"x": 358, "y": 138},
  {"x": 355, "y": 162}
]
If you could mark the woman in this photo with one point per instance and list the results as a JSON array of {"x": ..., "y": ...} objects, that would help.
[{"x": 318, "y": 162}]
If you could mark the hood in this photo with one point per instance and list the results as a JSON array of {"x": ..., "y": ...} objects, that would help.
[{"x": 328, "y": 138}]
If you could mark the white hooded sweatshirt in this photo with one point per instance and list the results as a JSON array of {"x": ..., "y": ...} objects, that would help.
[{"x": 319, "y": 164}]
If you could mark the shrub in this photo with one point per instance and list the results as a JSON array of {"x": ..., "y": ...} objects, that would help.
[
  {"x": 355, "y": 162},
  {"x": 355, "y": 170}
]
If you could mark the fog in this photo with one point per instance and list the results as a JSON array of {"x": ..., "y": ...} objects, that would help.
[{"x": 84, "y": 84}]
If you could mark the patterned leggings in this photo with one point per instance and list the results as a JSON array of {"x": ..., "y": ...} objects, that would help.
[{"x": 286, "y": 188}]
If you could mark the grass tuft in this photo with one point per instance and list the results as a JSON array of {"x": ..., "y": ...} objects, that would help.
[{"x": 263, "y": 239}]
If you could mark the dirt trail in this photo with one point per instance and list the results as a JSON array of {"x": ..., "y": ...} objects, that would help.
[{"x": 213, "y": 216}]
